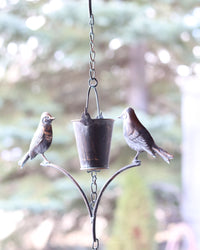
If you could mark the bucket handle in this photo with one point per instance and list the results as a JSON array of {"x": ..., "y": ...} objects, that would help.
[{"x": 99, "y": 113}]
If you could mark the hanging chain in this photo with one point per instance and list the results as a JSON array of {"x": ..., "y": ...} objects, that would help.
[
  {"x": 92, "y": 72},
  {"x": 93, "y": 196},
  {"x": 92, "y": 82},
  {"x": 93, "y": 186}
]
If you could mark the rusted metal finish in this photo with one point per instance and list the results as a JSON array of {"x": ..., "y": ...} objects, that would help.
[{"x": 93, "y": 140}]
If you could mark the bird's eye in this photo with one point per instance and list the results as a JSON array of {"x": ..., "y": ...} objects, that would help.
[{"x": 47, "y": 118}]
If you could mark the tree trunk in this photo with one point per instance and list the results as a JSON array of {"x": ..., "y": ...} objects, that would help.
[
  {"x": 190, "y": 154},
  {"x": 137, "y": 92}
]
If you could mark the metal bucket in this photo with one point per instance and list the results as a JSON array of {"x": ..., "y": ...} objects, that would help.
[{"x": 93, "y": 140}]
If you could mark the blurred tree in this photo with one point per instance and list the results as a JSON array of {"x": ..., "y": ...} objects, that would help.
[
  {"x": 44, "y": 55},
  {"x": 34, "y": 59},
  {"x": 134, "y": 227},
  {"x": 137, "y": 90},
  {"x": 138, "y": 44},
  {"x": 190, "y": 158}
]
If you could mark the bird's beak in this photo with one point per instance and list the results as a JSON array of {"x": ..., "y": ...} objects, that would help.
[
  {"x": 52, "y": 118},
  {"x": 120, "y": 117}
]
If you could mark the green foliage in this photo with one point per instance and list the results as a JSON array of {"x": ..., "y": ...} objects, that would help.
[
  {"x": 59, "y": 195},
  {"x": 48, "y": 71},
  {"x": 134, "y": 225}
]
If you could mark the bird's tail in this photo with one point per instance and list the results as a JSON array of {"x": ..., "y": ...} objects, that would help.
[
  {"x": 164, "y": 154},
  {"x": 24, "y": 160}
]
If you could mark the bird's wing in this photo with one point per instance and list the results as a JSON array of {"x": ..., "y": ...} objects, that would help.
[
  {"x": 136, "y": 137},
  {"x": 36, "y": 140},
  {"x": 141, "y": 141},
  {"x": 144, "y": 143},
  {"x": 132, "y": 133}
]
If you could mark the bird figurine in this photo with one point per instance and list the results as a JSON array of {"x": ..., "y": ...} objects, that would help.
[
  {"x": 138, "y": 137},
  {"x": 41, "y": 140}
]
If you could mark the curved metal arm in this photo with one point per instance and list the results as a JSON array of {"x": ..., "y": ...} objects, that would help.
[
  {"x": 94, "y": 212},
  {"x": 62, "y": 170}
]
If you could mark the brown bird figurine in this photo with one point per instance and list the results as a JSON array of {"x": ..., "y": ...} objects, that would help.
[
  {"x": 139, "y": 138},
  {"x": 41, "y": 140}
]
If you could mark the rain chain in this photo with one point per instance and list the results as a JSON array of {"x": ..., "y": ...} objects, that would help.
[
  {"x": 93, "y": 140},
  {"x": 92, "y": 82},
  {"x": 93, "y": 194}
]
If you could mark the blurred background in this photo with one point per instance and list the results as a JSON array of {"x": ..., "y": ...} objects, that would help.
[{"x": 147, "y": 57}]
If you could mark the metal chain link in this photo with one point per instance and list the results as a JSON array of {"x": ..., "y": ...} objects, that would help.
[
  {"x": 92, "y": 82},
  {"x": 95, "y": 245},
  {"x": 93, "y": 186},
  {"x": 93, "y": 196},
  {"x": 92, "y": 72}
]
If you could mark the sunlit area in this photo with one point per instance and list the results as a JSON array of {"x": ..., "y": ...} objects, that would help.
[{"x": 147, "y": 56}]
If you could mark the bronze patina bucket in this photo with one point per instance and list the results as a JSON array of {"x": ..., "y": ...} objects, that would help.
[{"x": 93, "y": 140}]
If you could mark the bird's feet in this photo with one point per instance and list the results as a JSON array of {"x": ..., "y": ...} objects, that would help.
[
  {"x": 45, "y": 163},
  {"x": 136, "y": 161}
]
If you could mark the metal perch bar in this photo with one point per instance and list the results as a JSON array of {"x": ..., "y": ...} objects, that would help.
[
  {"x": 62, "y": 170},
  {"x": 92, "y": 212}
]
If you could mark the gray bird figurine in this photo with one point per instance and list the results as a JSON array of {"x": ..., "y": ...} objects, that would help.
[
  {"x": 138, "y": 137},
  {"x": 41, "y": 140}
]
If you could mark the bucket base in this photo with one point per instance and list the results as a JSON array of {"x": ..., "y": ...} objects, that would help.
[{"x": 89, "y": 168}]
